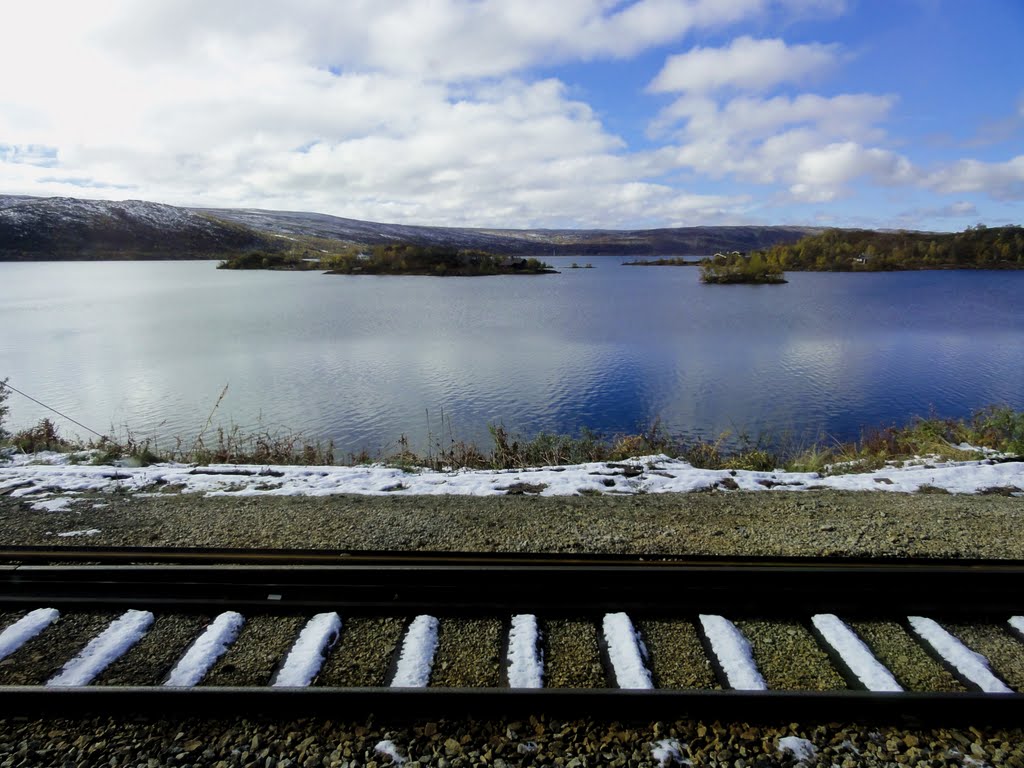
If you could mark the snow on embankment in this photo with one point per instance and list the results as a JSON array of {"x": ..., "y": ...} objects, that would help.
[{"x": 38, "y": 475}]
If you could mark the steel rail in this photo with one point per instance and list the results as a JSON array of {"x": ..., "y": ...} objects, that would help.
[
  {"x": 912, "y": 709},
  {"x": 653, "y": 589},
  {"x": 37, "y": 554}
]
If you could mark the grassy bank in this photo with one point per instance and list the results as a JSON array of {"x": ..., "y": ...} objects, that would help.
[{"x": 995, "y": 428}]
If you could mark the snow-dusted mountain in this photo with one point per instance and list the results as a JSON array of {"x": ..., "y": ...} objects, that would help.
[
  {"x": 40, "y": 228},
  {"x": 36, "y": 228}
]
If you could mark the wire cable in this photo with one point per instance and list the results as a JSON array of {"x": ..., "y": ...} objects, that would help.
[{"x": 47, "y": 407}]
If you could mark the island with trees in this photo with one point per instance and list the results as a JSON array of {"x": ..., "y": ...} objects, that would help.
[
  {"x": 395, "y": 259},
  {"x": 673, "y": 261},
  {"x": 735, "y": 267},
  {"x": 861, "y": 250}
]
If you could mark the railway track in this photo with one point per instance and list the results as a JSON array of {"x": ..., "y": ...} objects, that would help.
[{"x": 87, "y": 630}]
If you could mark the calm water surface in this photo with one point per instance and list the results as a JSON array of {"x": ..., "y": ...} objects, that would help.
[{"x": 363, "y": 360}]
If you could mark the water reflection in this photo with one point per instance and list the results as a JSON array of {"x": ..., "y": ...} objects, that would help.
[{"x": 364, "y": 360}]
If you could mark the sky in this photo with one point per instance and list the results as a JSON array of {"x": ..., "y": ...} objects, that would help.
[{"x": 525, "y": 113}]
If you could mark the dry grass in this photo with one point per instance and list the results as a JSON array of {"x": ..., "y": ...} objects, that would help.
[{"x": 996, "y": 428}]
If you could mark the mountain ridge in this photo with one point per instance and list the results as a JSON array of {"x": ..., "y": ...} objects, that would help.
[{"x": 64, "y": 228}]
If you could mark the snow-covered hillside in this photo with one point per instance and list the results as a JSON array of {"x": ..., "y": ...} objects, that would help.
[{"x": 35, "y": 228}]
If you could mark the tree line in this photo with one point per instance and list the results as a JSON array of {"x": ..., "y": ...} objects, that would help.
[{"x": 853, "y": 250}]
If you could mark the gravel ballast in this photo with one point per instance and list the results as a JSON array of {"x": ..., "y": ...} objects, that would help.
[
  {"x": 260, "y": 648},
  {"x": 468, "y": 654},
  {"x": 364, "y": 654},
  {"x": 777, "y": 644},
  {"x": 43, "y": 656},
  {"x": 677, "y": 659},
  {"x": 150, "y": 660},
  {"x": 913, "y": 667},
  {"x": 572, "y": 655}
]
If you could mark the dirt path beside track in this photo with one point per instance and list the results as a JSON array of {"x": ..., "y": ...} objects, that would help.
[{"x": 719, "y": 523}]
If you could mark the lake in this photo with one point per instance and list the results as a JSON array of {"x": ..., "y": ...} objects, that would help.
[{"x": 362, "y": 360}]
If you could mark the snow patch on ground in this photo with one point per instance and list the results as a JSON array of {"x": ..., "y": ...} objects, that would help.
[
  {"x": 389, "y": 749},
  {"x": 52, "y": 505},
  {"x": 85, "y": 532},
  {"x": 801, "y": 749},
  {"x": 28, "y": 474},
  {"x": 668, "y": 752}
]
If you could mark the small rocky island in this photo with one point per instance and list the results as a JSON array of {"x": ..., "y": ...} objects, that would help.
[
  {"x": 736, "y": 268},
  {"x": 398, "y": 259}
]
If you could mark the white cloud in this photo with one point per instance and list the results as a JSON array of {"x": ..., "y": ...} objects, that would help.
[
  {"x": 1003, "y": 181},
  {"x": 386, "y": 110},
  {"x": 432, "y": 111},
  {"x": 748, "y": 118},
  {"x": 820, "y": 175},
  {"x": 745, "y": 64},
  {"x": 815, "y": 145},
  {"x": 433, "y": 39},
  {"x": 812, "y": 144}
]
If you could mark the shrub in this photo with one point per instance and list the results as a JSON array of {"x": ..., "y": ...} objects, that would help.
[
  {"x": 4, "y": 408},
  {"x": 999, "y": 427},
  {"x": 44, "y": 436},
  {"x": 755, "y": 460}
]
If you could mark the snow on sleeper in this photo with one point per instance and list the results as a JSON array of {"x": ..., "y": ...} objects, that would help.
[
  {"x": 733, "y": 652},
  {"x": 855, "y": 653},
  {"x": 104, "y": 649},
  {"x": 626, "y": 652},
  {"x": 525, "y": 659},
  {"x": 417, "y": 658},
  {"x": 204, "y": 652}
]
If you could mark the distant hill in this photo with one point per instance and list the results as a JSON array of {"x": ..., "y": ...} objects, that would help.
[{"x": 62, "y": 228}]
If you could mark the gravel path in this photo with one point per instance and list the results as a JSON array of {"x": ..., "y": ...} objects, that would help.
[{"x": 777, "y": 523}]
